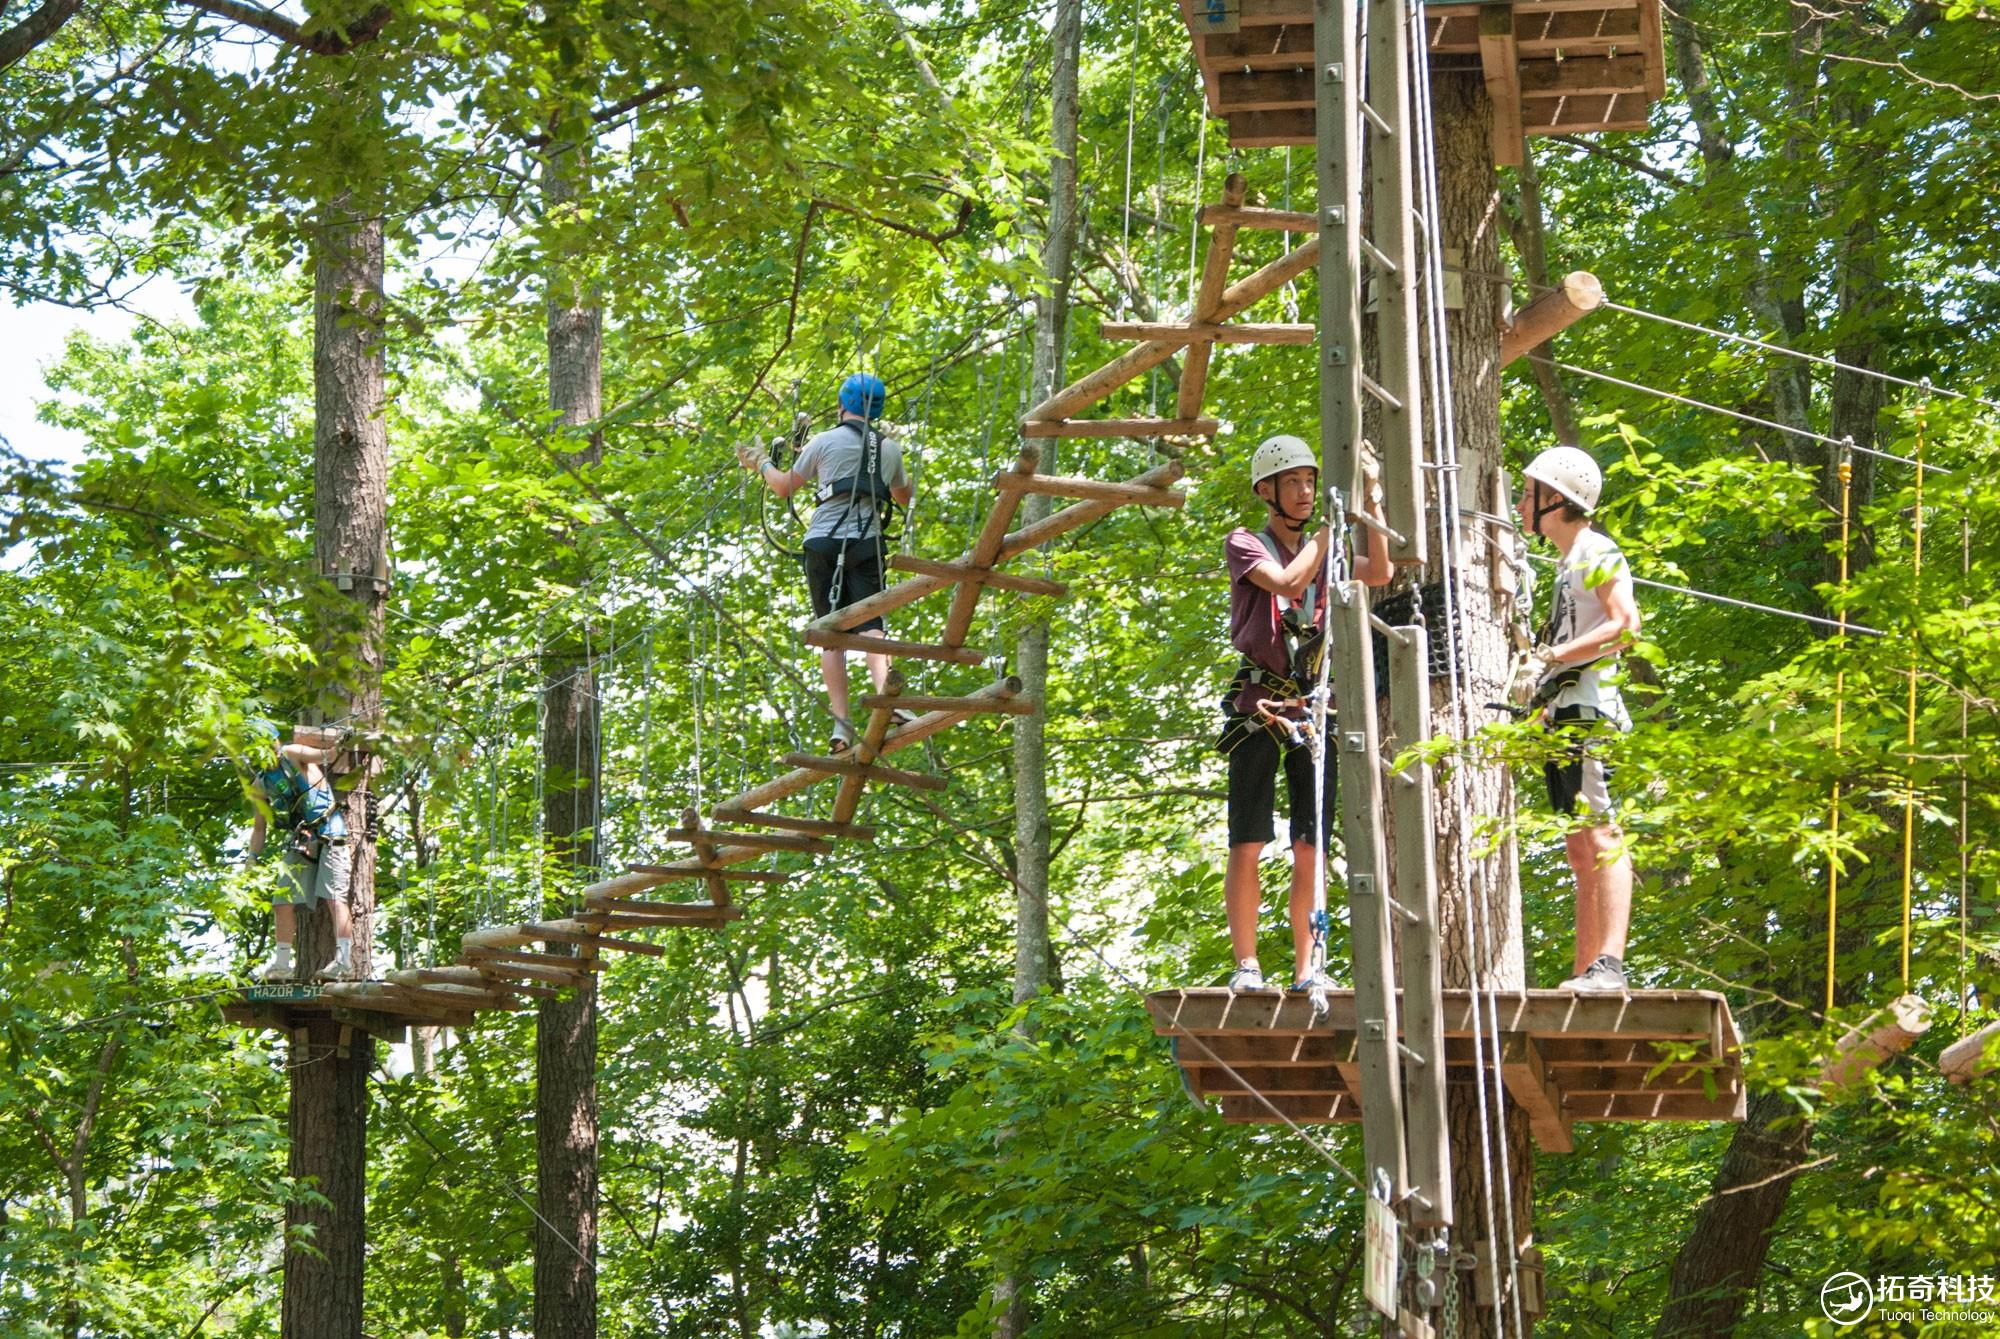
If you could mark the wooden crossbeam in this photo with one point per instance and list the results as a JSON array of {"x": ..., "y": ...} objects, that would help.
[
  {"x": 882, "y": 602},
  {"x": 1578, "y": 295},
  {"x": 569, "y": 963},
  {"x": 816, "y": 827},
  {"x": 1318, "y": 1110},
  {"x": 1139, "y": 428},
  {"x": 1652, "y": 1015},
  {"x": 527, "y": 972},
  {"x": 750, "y": 841},
  {"x": 1275, "y": 220},
  {"x": 1208, "y": 295},
  {"x": 868, "y": 748},
  {"x": 1499, "y": 63},
  {"x": 849, "y": 641},
  {"x": 1528, "y": 1083},
  {"x": 1092, "y": 490},
  {"x": 1205, "y": 332},
  {"x": 1656, "y": 1106},
  {"x": 1008, "y": 706},
  {"x": 1584, "y": 113},
  {"x": 980, "y": 576},
  {"x": 1257, "y": 49},
  {"x": 985, "y": 551},
  {"x": 488, "y": 995},
  {"x": 662, "y": 873},
  {"x": 1270, "y": 130},
  {"x": 1069, "y": 518},
  {"x": 1576, "y": 75},
  {"x": 625, "y": 914},
  {"x": 1264, "y": 90},
  {"x": 894, "y": 776},
  {"x": 464, "y": 978}
]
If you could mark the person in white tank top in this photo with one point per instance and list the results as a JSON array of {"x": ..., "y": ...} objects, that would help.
[{"x": 1594, "y": 616}]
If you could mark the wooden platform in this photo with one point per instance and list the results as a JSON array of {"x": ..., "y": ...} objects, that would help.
[
  {"x": 1670, "y": 1055},
  {"x": 1572, "y": 67}
]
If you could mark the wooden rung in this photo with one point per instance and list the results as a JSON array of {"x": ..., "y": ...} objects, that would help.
[
  {"x": 1965, "y": 1059},
  {"x": 1005, "y": 706},
  {"x": 464, "y": 978},
  {"x": 978, "y": 576},
  {"x": 565, "y": 962},
  {"x": 1090, "y": 490},
  {"x": 895, "y": 776},
  {"x": 1278, "y": 220},
  {"x": 529, "y": 972},
  {"x": 630, "y": 915},
  {"x": 1209, "y": 332},
  {"x": 1120, "y": 427},
  {"x": 751, "y": 841},
  {"x": 850, "y": 641},
  {"x": 699, "y": 872},
  {"x": 815, "y": 827}
]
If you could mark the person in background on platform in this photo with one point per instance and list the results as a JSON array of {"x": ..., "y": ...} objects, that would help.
[
  {"x": 1277, "y": 619},
  {"x": 295, "y": 797},
  {"x": 859, "y": 473},
  {"x": 1592, "y": 617}
]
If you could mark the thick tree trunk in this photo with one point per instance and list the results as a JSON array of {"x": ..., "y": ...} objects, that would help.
[
  {"x": 1488, "y": 952},
  {"x": 330, "y": 1062},
  {"x": 1531, "y": 243},
  {"x": 1032, "y": 950},
  {"x": 566, "y": 1130}
]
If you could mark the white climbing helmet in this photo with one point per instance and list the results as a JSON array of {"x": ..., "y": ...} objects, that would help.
[
  {"x": 1278, "y": 454},
  {"x": 1570, "y": 471}
]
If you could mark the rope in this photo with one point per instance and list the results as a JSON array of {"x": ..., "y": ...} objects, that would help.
[
  {"x": 1964, "y": 774},
  {"x": 1131, "y": 119},
  {"x": 1839, "y": 721},
  {"x": 1710, "y": 595},
  {"x": 1194, "y": 216},
  {"x": 1845, "y": 443},
  {"x": 1910, "y": 709}
]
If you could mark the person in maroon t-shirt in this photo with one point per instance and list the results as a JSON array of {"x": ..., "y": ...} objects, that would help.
[{"x": 1274, "y": 589}]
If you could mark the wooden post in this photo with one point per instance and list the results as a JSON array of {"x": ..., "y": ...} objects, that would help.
[
  {"x": 1413, "y": 798},
  {"x": 1391, "y": 169},
  {"x": 868, "y": 748},
  {"x": 1214, "y": 278},
  {"x": 1884, "y": 1033},
  {"x": 1965, "y": 1059},
  {"x": 1337, "y": 155},
  {"x": 1577, "y": 296},
  {"x": 1359, "y": 744}
]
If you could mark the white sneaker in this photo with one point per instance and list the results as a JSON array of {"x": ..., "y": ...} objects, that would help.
[
  {"x": 340, "y": 969},
  {"x": 278, "y": 969},
  {"x": 1247, "y": 978},
  {"x": 1606, "y": 976}
]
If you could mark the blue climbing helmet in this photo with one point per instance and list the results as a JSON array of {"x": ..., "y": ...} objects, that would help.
[
  {"x": 263, "y": 730},
  {"x": 864, "y": 394}
]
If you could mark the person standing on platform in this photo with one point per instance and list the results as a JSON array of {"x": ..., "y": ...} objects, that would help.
[
  {"x": 859, "y": 473},
  {"x": 1277, "y": 619},
  {"x": 1592, "y": 618},
  {"x": 296, "y": 799}
]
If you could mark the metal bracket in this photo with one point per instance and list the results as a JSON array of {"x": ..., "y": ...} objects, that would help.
[
  {"x": 1335, "y": 73},
  {"x": 1354, "y": 741},
  {"x": 1374, "y": 1029}
]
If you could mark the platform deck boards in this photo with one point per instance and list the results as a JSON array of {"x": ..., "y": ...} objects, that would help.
[{"x": 1644, "y": 1055}]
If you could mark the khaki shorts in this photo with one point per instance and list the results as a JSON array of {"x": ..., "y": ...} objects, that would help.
[{"x": 305, "y": 883}]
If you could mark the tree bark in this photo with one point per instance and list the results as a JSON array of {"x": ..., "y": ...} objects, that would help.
[
  {"x": 566, "y": 1114},
  {"x": 1531, "y": 243},
  {"x": 330, "y": 1062},
  {"x": 1032, "y": 949},
  {"x": 1490, "y": 952}
]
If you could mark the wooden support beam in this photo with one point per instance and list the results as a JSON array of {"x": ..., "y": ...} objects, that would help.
[
  {"x": 1246, "y": 1110},
  {"x": 465, "y": 978},
  {"x": 527, "y": 972},
  {"x": 1270, "y": 1080},
  {"x": 626, "y": 915},
  {"x": 882, "y": 602},
  {"x": 1635, "y": 1017},
  {"x": 1499, "y": 64},
  {"x": 1967, "y": 1058},
  {"x": 1656, "y": 1106},
  {"x": 847, "y": 799},
  {"x": 985, "y": 550},
  {"x": 1398, "y": 428},
  {"x": 1238, "y": 296},
  {"x": 1528, "y": 1083},
  {"x": 1652, "y": 46},
  {"x": 1092, "y": 490},
  {"x": 1582, "y": 75},
  {"x": 1142, "y": 429},
  {"x": 1082, "y": 513},
  {"x": 1577, "y": 296},
  {"x": 1274, "y": 220},
  {"x": 705, "y": 856},
  {"x": 1263, "y": 90},
  {"x": 815, "y": 827},
  {"x": 569, "y": 964},
  {"x": 1203, "y": 332},
  {"x": 1270, "y": 130},
  {"x": 894, "y": 776},
  {"x": 749, "y": 841},
  {"x": 620, "y": 885},
  {"x": 1583, "y": 113},
  {"x": 1886, "y": 1032},
  {"x": 663, "y": 873},
  {"x": 1011, "y": 706},
  {"x": 862, "y": 643},
  {"x": 979, "y": 576},
  {"x": 1261, "y": 48},
  {"x": 1208, "y": 296}
]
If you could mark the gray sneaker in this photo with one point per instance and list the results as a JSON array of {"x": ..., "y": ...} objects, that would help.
[
  {"x": 1247, "y": 978},
  {"x": 277, "y": 969},
  {"x": 340, "y": 969},
  {"x": 1606, "y": 976},
  {"x": 1319, "y": 980}
]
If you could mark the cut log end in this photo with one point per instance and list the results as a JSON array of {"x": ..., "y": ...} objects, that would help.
[{"x": 1887, "y": 1032}]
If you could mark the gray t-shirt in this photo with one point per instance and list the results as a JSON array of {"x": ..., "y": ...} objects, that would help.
[{"x": 834, "y": 457}]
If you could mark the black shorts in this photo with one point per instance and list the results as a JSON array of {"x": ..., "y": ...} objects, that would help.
[
  {"x": 1578, "y": 774},
  {"x": 1253, "y": 790},
  {"x": 859, "y": 578}
]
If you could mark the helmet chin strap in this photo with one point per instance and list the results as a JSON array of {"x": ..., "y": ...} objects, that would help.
[
  {"x": 1557, "y": 503},
  {"x": 1295, "y": 522}
]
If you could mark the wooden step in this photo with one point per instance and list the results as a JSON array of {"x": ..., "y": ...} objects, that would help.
[
  {"x": 978, "y": 576},
  {"x": 649, "y": 915},
  {"x": 852, "y": 641},
  {"x": 701, "y": 872},
  {"x": 1090, "y": 490},
  {"x": 1277, "y": 220},
  {"x": 815, "y": 827},
  {"x": 894, "y": 776},
  {"x": 749, "y": 841},
  {"x": 1007, "y": 706},
  {"x": 572, "y": 963},
  {"x": 1120, "y": 427}
]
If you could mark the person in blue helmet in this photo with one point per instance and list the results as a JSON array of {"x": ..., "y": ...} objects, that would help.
[
  {"x": 295, "y": 798},
  {"x": 857, "y": 472}
]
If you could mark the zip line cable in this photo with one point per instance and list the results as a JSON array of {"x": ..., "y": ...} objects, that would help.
[
  {"x": 1839, "y": 722},
  {"x": 1732, "y": 600}
]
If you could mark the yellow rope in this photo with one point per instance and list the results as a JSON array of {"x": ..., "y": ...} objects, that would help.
[
  {"x": 1839, "y": 712},
  {"x": 1910, "y": 711}
]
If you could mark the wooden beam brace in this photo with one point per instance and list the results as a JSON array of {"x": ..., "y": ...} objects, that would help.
[
  {"x": 1203, "y": 332},
  {"x": 985, "y": 551},
  {"x": 1499, "y": 63},
  {"x": 1082, "y": 513},
  {"x": 662, "y": 873},
  {"x": 980, "y": 576},
  {"x": 568, "y": 963},
  {"x": 705, "y": 855},
  {"x": 1093, "y": 490},
  {"x": 634, "y": 915},
  {"x": 862, "y": 643},
  {"x": 894, "y": 776},
  {"x": 1966, "y": 1059},
  {"x": 1142, "y": 429},
  {"x": 815, "y": 827},
  {"x": 1886, "y": 1032},
  {"x": 1011, "y": 706},
  {"x": 1263, "y": 90},
  {"x": 750, "y": 841},
  {"x": 1208, "y": 296},
  {"x": 1528, "y": 1083},
  {"x": 1577, "y": 296},
  {"x": 527, "y": 972},
  {"x": 898, "y": 596},
  {"x": 1582, "y": 75},
  {"x": 1276, "y": 220},
  {"x": 847, "y": 799}
]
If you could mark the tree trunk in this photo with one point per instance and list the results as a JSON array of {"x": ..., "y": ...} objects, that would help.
[
  {"x": 1490, "y": 951},
  {"x": 330, "y": 1062},
  {"x": 1531, "y": 243},
  {"x": 1032, "y": 951},
  {"x": 566, "y": 1131}
]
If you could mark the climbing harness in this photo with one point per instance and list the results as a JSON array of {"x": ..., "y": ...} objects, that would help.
[{"x": 1301, "y": 627}]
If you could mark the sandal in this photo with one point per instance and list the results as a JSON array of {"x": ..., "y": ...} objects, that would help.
[{"x": 838, "y": 745}]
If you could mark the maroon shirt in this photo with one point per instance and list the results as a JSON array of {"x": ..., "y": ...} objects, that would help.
[{"x": 1254, "y": 611}]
